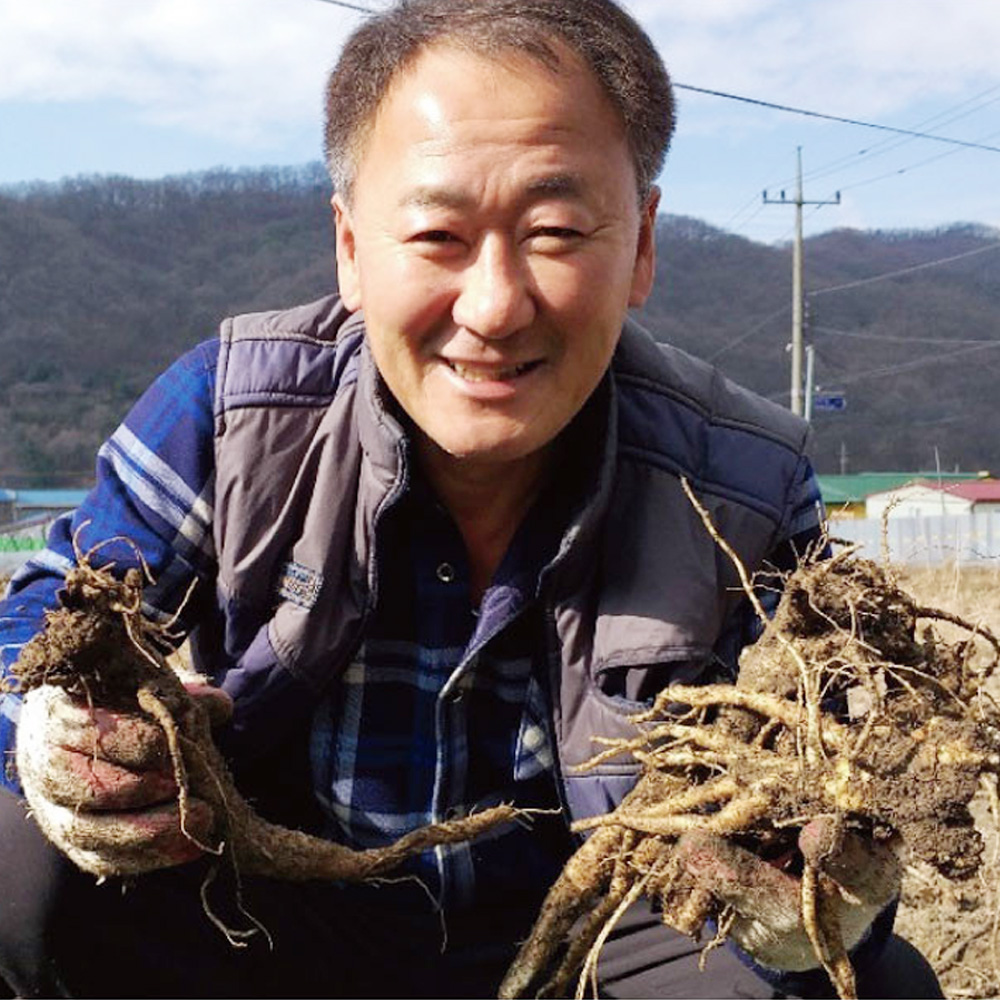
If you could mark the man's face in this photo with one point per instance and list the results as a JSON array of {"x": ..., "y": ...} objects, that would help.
[{"x": 494, "y": 241}]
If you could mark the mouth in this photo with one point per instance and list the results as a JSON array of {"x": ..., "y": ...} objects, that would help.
[{"x": 490, "y": 373}]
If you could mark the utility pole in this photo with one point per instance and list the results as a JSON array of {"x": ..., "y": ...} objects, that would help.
[
  {"x": 810, "y": 380},
  {"x": 797, "y": 292}
]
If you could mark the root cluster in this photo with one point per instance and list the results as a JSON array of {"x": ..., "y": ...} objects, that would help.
[
  {"x": 850, "y": 706},
  {"x": 100, "y": 647}
]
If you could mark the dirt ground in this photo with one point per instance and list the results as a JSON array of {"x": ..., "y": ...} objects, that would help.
[{"x": 955, "y": 925}]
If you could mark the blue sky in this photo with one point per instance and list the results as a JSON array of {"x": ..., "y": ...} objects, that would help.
[{"x": 155, "y": 87}]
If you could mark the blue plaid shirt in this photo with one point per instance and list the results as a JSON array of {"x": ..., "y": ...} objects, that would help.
[{"x": 444, "y": 709}]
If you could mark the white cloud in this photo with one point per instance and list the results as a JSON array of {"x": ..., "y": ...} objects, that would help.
[
  {"x": 236, "y": 67},
  {"x": 251, "y": 65},
  {"x": 857, "y": 58},
  {"x": 251, "y": 71}
]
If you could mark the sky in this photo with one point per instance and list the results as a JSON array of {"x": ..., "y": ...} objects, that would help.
[{"x": 150, "y": 88}]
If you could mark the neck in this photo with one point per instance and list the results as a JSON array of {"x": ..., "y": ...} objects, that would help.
[{"x": 488, "y": 501}]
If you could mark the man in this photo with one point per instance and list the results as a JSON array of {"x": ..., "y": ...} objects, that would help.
[{"x": 438, "y": 541}]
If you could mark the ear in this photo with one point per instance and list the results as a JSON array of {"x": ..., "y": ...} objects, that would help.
[
  {"x": 644, "y": 269},
  {"x": 348, "y": 277}
]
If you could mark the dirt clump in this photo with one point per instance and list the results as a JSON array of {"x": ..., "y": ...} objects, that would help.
[
  {"x": 851, "y": 705},
  {"x": 956, "y": 925}
]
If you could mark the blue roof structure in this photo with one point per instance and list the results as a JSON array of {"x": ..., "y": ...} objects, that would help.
[{"x": 48, "y": 499}]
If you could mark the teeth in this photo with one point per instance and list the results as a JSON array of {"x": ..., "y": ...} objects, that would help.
[{"x": 488, "y": 375}]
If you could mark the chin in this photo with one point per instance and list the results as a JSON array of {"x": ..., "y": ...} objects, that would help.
[{"x": 487, "y": 448}]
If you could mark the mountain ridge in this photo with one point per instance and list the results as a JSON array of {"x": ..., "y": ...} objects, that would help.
[{"x": 105, "y": 280}]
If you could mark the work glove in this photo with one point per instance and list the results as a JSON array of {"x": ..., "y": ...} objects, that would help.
[
  {"x": 767, "y": 902},
  {"x": 101, "y": 786}
]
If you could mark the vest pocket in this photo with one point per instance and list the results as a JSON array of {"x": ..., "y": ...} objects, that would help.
[{"x": 634, "y": 687}]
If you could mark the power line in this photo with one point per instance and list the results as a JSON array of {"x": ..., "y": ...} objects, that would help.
[
  {"x": 349, "y": 6},
  {"x": 750, "y": 203},
  {"x": 929, "y": 359},
  {"x": 902, "y": 271},
  {"x": 910, "y": 166},
  {"x": 887, "y": 145},
  {"x": 837, "y": 118},
  {"x": 746, "y": 336},
  {"x": 904, "y": 366},
  {"x": 734, "y": 223},
  {"x": 889, "y": 339}
]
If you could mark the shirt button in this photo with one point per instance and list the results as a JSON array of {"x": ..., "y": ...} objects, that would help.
[{"x": 446, "y": 572}]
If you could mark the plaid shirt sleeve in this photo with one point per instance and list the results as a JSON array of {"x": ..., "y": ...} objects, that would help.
[{"x": 152, "y": 503}]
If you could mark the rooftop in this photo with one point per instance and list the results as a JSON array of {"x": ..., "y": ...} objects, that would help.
[
  {"x": 981, "y": 491},
  {"x": 44, "y": 498},
  {"x": 855, "y": 487}
]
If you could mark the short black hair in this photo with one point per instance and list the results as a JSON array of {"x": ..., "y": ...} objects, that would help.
[{"x": 606, "y": 38}]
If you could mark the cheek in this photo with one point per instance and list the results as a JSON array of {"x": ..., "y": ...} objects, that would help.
[
  {"x": 588, "y": 285},
  {"x": 401, "y": 292},
  {"x": 594, "y": 359}
]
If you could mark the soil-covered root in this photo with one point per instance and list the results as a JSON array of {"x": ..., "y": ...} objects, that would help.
[
  {"x": 850, "y": 706},
  {"x": 99, "y": 647}
]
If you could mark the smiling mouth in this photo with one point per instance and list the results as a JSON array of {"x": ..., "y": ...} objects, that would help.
[{"x": 480, "y": 373}]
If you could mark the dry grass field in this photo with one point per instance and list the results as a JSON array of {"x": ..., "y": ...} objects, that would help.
[{"x": 955, "y": 924}]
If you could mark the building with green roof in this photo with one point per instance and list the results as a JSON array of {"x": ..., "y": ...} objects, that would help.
[{"x": 845, "y": 495}]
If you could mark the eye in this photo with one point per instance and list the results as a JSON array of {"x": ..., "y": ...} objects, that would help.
[
  {"x": 434, "y": 236},
  {"x": 554, "y": 240},
  {"x": 556, "y": 232}
]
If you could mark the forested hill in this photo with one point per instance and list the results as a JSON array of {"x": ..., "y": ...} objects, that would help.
[{"x": 104, "y": 281}]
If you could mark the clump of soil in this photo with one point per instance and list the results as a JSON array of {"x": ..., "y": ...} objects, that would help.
[
  {"x": 100, "y": 648},
  {"x": 851, "y": 705},
  {"x": 956, "y": 925}
]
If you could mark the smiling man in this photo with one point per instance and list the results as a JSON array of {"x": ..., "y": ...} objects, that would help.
[
  {"x": 494, "y": 238},
  {"x": 429, "y": 540}
]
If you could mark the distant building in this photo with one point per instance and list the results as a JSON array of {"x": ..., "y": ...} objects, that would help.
[
  {"x": 930, "y": 498},
  {"x": 20, "y": 507},
  {"x": 846, "y": 496}
]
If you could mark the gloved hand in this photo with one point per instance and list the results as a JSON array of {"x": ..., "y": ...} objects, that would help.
[
  {"x": 100, "y": 784},
  {"x": 768, "y": 902}
]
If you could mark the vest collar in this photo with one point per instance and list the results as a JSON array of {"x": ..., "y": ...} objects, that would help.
[{"x": 384, "y": 441}]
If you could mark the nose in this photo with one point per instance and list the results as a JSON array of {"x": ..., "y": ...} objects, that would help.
[{"x": 494, "y": 299}]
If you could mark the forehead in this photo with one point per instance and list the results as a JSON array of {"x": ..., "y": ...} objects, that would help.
[
  {"x": 487, "y": 64},
  {"x": 452, "y": 100}
]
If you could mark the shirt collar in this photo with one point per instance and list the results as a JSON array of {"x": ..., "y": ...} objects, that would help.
[{"x": 571, "y": 505}]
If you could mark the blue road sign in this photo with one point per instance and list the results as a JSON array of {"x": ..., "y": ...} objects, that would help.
[{"x": 829, "y": 401}]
